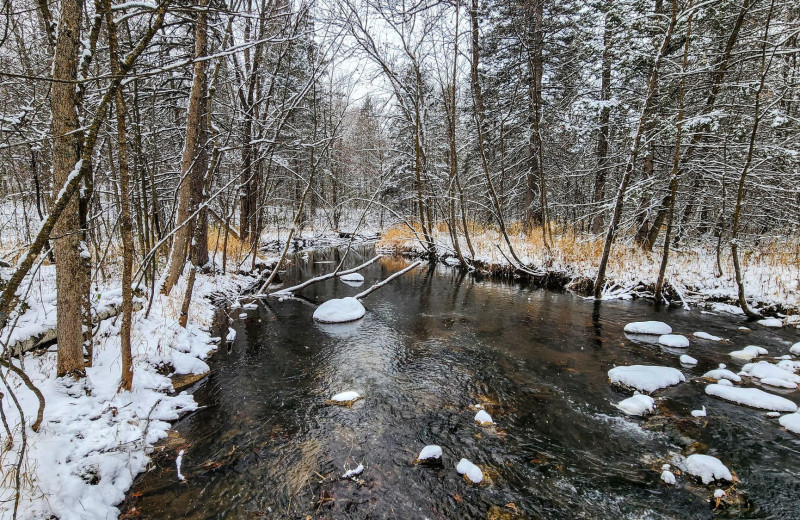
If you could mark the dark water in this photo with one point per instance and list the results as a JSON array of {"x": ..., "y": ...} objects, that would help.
[{"x": 434, "y": 343}]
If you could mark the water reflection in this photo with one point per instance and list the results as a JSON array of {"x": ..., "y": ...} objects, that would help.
[{"x": 433, "y": 344}]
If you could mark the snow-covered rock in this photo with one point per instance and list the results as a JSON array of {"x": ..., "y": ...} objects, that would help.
[
  {"x": 706, "y": 335},
  {"x": 685, "y": 359},
  {"x": 483, "y": 418},
  {"x": 789, "y": 365},
  {"x": 752, "y": 397},
  {"x": 766, "y": 370},
  {"x": 707, "y": 468},
  {"x": 726, "y": 307},
  {"x": 719, "y": 493},
  {"x": 645, "y": 378},
  {"x": 778, "y": 383},
  {"x": 771, "y": 322},
  {"x": 430, "y": 453},
  {"x": 639, "y": 404},
  {"x": 352, "y": 277},
  {"x": 654, "y": 328},
  {"x": 749, "y": 352},
  {"x": 674, "y": 340},
  {"x": 667, "y": 476},
  {"x": 725, "y": 382},
  {"x": 795, "y": 349},
  {"x": 339, "y": 310},
  {"x": 722, "y": 373},
  {"x": 346, "y": 397},
  {"x": 472, "y": 472},
  {"x": 791, "y": 422},
  {"x": 358, "y": 470},
  {"x": 699, "y": 413}
]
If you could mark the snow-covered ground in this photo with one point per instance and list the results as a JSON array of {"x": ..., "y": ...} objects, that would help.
[{"x": 93, "y": 439}]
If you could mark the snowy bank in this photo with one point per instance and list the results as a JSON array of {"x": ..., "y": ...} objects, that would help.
[{"x": 93, "y": 441}]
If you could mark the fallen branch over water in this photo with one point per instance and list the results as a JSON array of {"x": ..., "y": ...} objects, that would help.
[
  {"x": 289, "y": 290},
  {"x": 387, "y": 280}
]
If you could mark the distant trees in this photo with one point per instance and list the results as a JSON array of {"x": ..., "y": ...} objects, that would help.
[{"x": 615, "y": 118}]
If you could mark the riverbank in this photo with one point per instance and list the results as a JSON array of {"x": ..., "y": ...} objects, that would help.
[
  {"x": 771, "y": 272},
  {"x": 93, "y": 441}
]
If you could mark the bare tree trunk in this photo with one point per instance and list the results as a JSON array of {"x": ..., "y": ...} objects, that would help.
[
  {"x": 67, "y": 243},
  {"x": 477, "y": 98},
  {"x": 745, "y": 169},
  {"x": 626, "y": 177},
  {"x": 180, "y": 242},
  {"x": 673, "y": 181},
  {"x": 605, "y": 127},
  {"x": 125, "y": 213}
]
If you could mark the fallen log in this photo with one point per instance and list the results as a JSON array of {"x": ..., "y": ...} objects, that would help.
[{"x": 42, "y": 338}]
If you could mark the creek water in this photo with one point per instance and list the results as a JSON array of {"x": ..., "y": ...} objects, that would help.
[{"x": 434, "y": 343}]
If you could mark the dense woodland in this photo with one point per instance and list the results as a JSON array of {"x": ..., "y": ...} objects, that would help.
[{"x": 139, "y": 127}]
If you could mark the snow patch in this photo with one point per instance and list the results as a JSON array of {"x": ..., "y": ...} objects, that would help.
[
  {"x": 645, "y": 378},
  {"x": 686, "y": 359},
  {"x": 674, "y": 340},
  {"x": 473, "y": 472},
  {"x": 791, "y": 422},
  {"x": 639, "y": 404},
  {"x": 430, "y": 452},
  {"x": 654, "y": 328},
  {"x": 706, "y": 335},
  {"x": 752, "y": 397},
  {"x": 707, "y": 468}
]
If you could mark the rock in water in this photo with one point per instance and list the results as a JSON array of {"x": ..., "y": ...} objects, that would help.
[
  {"x": 655, "y": 328},
  {"x": 431, "y": 454},
  {"x": 470, "y": 470},
  {"x": 707, "y": 468},
  {"x": 344, "y": 398},
  {"x": 483, "y": 418},
  {"x": 339, "y": 310}
]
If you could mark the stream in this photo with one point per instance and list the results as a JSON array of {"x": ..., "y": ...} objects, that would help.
[{"x": 434, "y": 343}]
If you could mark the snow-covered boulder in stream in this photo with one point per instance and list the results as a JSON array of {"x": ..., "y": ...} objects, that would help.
[
  {"x": 430, "y": 454},
  {"x": 722, "y": 373},
  {"x": 749, "y": 352},
  {"x": 795, "y": 349},
  {"x": 771, "y": 322},
  {"x": 687, "y": 360},
  {"x": 470, "y": 470},
  {"x": 767, "y": 373},
  {"x": 352, "y": 277},
  {"x": 645, "y": 378},
  {"x": 707, "y": 468},
  {"x": 752, "y": 397},
  {"x": 483, "y": 418},
  {"x": 339, "y": 310},
  {"x": 653, "y": 328},
  {"x": 791, "y": 422},
  {"x": 639, "y": 404},
  {"x": 706, "y": 335},
  {"x": 674, "y": 340},
  {"x": 344, "y": 398}
]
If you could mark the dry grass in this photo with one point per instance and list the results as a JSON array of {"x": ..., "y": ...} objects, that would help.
[{"x": 771, "y": 268}]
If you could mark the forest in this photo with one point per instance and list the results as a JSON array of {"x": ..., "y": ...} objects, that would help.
[{"x": 160, "y": 157}]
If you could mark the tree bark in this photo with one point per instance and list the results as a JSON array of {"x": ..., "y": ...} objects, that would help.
[
  {"x": 125, "y": 223},
  {"x": 67, "y": 243},
  {"x": 626, "y": 177},
  {"x": 187, "y": 190}
]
